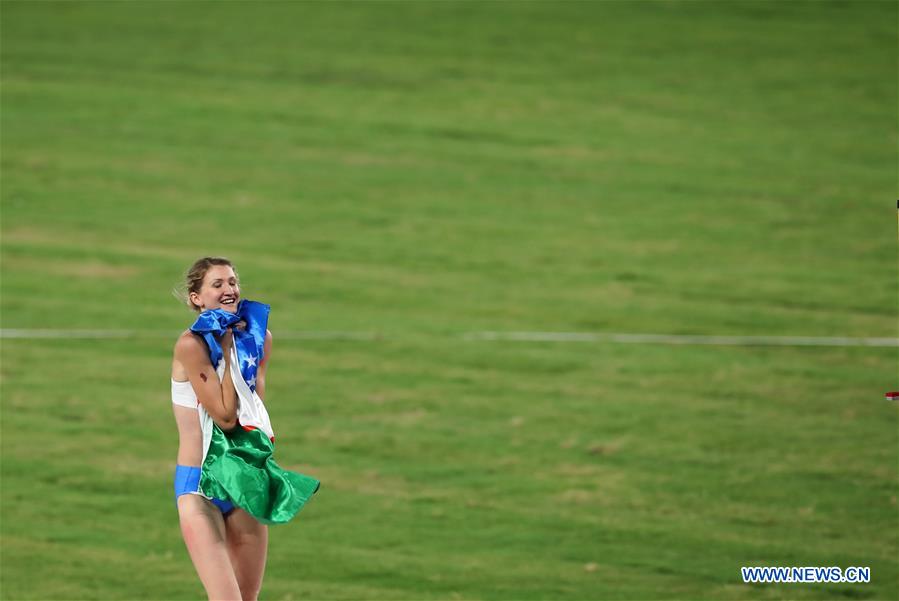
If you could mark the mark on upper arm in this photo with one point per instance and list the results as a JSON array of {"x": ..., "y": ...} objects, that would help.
[{"x": 203, "y": 376}]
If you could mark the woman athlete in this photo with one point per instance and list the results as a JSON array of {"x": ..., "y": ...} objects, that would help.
[{"x": 227, "y": 546}]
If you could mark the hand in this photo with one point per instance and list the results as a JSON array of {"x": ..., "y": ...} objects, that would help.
[
  {"x": 227, "y": 341},
  {"x": 240, "y": 326}
]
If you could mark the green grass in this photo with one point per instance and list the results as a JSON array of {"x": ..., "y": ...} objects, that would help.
[{"x": 422, "y": 170}]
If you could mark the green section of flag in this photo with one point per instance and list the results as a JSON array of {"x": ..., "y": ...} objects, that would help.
[{"x": 239, "y": 467}]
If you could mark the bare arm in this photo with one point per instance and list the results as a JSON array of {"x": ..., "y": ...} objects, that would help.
[
  {"x": 263, "y": 365},
  {"x": 219, "y": 399}
]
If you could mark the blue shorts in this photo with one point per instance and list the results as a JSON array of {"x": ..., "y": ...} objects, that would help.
[{"x": 187, "y": 480}]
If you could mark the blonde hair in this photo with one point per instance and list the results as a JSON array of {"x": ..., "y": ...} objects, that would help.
[{"x": 193, "y": 279}]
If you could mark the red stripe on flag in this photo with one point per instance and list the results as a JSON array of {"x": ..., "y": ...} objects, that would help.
[{"x": 251, "y": 428}]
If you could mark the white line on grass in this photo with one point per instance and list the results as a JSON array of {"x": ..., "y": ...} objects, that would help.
[
  {"x": 684, "y": 339},
  {"x": 29, "y": 333},
  {"x": 37, "y": 333}
]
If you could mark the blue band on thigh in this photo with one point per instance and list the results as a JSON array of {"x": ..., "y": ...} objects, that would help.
[{"x": 187, "y": 480}]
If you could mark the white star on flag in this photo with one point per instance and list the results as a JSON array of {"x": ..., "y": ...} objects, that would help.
[
  {"x": 252, "y": 382},
  {"x": 251, "y": 360}
]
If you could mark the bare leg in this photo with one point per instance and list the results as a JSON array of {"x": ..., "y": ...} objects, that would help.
[
  {"x": 247, "y": 547},
  {"x": 203, "y": 529}
]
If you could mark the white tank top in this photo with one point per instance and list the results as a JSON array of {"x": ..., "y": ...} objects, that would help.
[{"x": 183, "y": 395}]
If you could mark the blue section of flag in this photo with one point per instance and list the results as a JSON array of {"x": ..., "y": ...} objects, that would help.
[{"x": 211, "y": 325}]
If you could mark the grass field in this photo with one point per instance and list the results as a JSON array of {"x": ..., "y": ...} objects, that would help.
[{"x": 420, "y": 171}]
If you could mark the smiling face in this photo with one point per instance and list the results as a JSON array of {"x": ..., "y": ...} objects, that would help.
[{"x": 219, "y": 290}]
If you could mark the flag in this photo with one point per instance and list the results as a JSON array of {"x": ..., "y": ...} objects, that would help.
[{"x": 238, "y": 466}]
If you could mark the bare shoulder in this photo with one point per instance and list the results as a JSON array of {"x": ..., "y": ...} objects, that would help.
[
  {"x": 187, "y": 344},
  {"x": 268, "y": 336},
  {"x": 179, "y": 372},
  {"x": 189, "y": 350}
]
